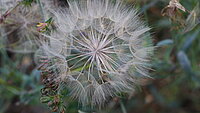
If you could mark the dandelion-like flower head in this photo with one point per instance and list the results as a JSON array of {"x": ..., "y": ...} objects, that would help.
[
  {"x": 100, "y": 49},
  {"x": 20, "y": 22}
]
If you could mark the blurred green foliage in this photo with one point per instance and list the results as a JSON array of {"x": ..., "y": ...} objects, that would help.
[{"x": 175, "y": 87}]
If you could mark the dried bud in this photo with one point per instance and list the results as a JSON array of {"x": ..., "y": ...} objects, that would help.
[{"x": 172, "y": 9}]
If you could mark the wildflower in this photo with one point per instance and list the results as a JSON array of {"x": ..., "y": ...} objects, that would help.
[
  {"x": 42, "y": 27},
  {"x": 100, "y": 49}
]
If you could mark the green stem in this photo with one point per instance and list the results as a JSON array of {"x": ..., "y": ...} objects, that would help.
[{"x": 123, "y": 108}]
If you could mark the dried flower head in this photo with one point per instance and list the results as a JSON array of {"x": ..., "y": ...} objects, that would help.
[
  {"x": 100, "y": 49},
  {"x": 173, "y": 7},
  {"x": 172, "y": 11}
]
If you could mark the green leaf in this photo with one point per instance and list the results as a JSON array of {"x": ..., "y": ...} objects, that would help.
[
  {"x": 14, "y": 90},
  {"x": 2, "y": 81},
  {"x": 189, "y": 40},
  {"x": 184, "y": 61},
  {"x": 27, "y": 2},
  {"x": 49, "y": 21},
  {"x": 45, "y": 99},
  {"x": 165, "y": 42}
]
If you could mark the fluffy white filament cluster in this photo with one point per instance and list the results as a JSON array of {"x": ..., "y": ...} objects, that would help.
[
  {"x": 6, "y": 5},
  {"x": 101, "y": 49},
  {"x": 20, "y": 23}
]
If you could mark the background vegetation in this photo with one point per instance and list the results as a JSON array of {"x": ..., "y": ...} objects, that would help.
[{"x": 175, "y": 87}]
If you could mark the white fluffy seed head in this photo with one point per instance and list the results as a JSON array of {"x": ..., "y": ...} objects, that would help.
[
  {"x": 104, "y": 47},
  {"x": 5, "y": 5},
  {"x": 21, "y": 23}
]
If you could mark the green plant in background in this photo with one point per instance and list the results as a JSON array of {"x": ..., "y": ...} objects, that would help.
[{"x": 14, "y": 84}]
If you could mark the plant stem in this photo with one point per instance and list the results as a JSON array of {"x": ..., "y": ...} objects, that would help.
[{"x": 122, "y": 107}]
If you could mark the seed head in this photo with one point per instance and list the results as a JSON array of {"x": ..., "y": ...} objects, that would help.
[
  {"x": 103, "y": 49},
  {"x": 21, "y": 24}
]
